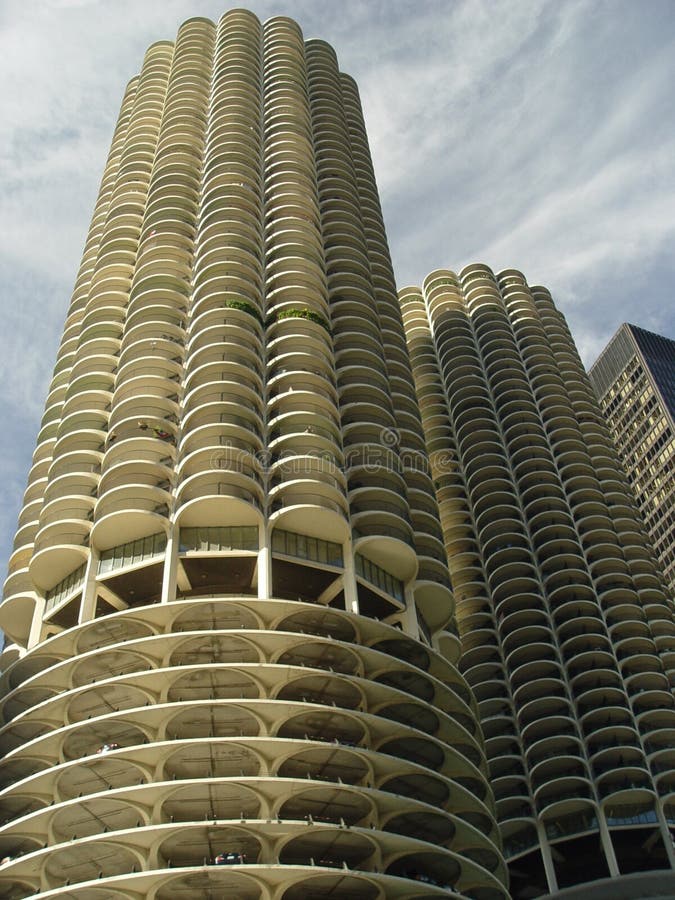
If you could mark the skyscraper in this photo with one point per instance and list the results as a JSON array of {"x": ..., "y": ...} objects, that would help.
[
  {"x": 233, "y": 660},
  {"x": 634, "y": 378},
  {"x": 568, "y": 637}
]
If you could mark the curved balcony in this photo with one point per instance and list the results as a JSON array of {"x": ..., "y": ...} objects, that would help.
[
  {"x": 169, "y": 369},
  {"x": 18, "y": 606},
  {"x": 122, "y": 670},
  {"x": 229, "y": 491},
  {"x": 309, "y": 506}
]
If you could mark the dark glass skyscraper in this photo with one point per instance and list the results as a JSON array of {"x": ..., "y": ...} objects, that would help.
[{"x": 634, "y": 378}]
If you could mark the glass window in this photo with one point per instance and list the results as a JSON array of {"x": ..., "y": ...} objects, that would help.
[
  {"x": 218, "y": 539},
  {"x": 65, "y": 588},
  {"x": 378, "y": 577},
  {"x": 132, "y": 552},
  {"x": 304, "y": 547}
]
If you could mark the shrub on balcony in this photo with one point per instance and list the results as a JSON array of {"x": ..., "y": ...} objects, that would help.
[
  {"x": 303, "y": 313},
  {"x": 244, "y": 307}
]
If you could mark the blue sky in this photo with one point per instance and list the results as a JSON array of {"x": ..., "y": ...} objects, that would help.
[{"x": 521, "y": 133}]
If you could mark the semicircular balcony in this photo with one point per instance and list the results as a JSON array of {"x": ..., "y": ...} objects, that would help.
[
  {"x": 82, "y": 430},
  {"x": 220, "y": 381},
  {"x": 92, "y": 398},
  {"x": 283, "y": 228},
  {"x": 569, "y": 797},
  {"x": 546, "y": 694},
  {"x": 222, "y": 420},
  {"x": 346, "y": 323},
  {"x": 539, "y": 661},
  {"x": 217, "y": 490},
  {"x": 661, "y": 766},
  {"x": 228, "y": 345},
  {"x": 149, "y": 351},
  {"x": 302, "y": 370},
  {"x": 165, "y": 291},
  {"x": 305, "y": 432},
  {"x": 221, "y": 372},
  {"x": 154, "y": 321},
  {"x": 306, "y": 463},
  {"x": 517, "y": 626},
  {"x": 604, "y": 721},
  {"x": 242, "y": 252},
  {"x": 556, "y": 768},
  {"x": 298, "y": 329},
  {"x": 119, "y": 472},
  {"x": 102, "y": 319},
  {"x": 656, "y": 727},
  {"x": 61, "y": 546},
  {"x": 18, "y": 604},
  {"x": 238, "y": 323},
  {"x": 69, "y": 496},
  {"x": 102, "y": 362},
  {"x": 492, "y": 509},
  {"x": 629, "y": 784},
  {"x": 524, "y": 631},
  {"x": 554, "y": 746},
  {"x": 542, "y": 736},
  {"x": 295, "y": 288},
  {"x": 290, "y": 399},
  {"x": 131, "y": 509},
  {"x": 147, "y": 409},
  {"x": 549, "y": 704}
]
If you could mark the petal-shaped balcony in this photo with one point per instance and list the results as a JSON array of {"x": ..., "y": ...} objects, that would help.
[
  {"x": 311, "y": 506},
  {"x": 307, "y": 432},
  {"x": 221, "y": 491},
  {"x": 136, "y": 504},
  {"x": 61, "y": 545}
]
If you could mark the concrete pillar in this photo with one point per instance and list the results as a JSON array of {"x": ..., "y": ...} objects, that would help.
[
  {"x": 35, "y": 635},
  {"x": 351, "y": 594},
  {"x": 170, "y": 574},
  {"x": 409, "y": 617},
  {"x": 547, "y": 858},
  {"x": 607, "y": 846},
  {"x": 265, "y": 564},
  {"x": 665, "y": 834},
  {"x": 88, "y": 604}
]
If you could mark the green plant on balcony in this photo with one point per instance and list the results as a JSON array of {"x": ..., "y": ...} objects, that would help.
[
  {"x": 244, "y": 306},
  {"x": 301, "y": 312}
]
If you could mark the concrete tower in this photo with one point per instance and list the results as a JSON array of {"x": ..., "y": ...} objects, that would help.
[
  {"x": 567, "y": 634},
  {"x": 228, "y": 603}
]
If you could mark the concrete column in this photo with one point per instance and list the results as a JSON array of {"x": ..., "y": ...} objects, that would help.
[
  {"x": 265, "y": 564},
  {"x": 607, "y": 846},
  {"x": 665, "y": 834},
  {"x": 409, "y": 617},
  {"x": 35, "y": 635},
  {"x": 547, "y": 858},
  {"x": 88, "y": 604},
  {"x": 351, "y": 595},
  {"x": 170, "y": 574}
]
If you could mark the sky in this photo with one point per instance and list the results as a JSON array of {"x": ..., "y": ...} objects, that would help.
[{"x": 524, "y": 134}]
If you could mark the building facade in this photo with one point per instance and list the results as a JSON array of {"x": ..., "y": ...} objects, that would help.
[
  {"x": 634, "y": 377},
  {"x": 232, "y": 667},
  {"x": 567, "y": 633}
]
